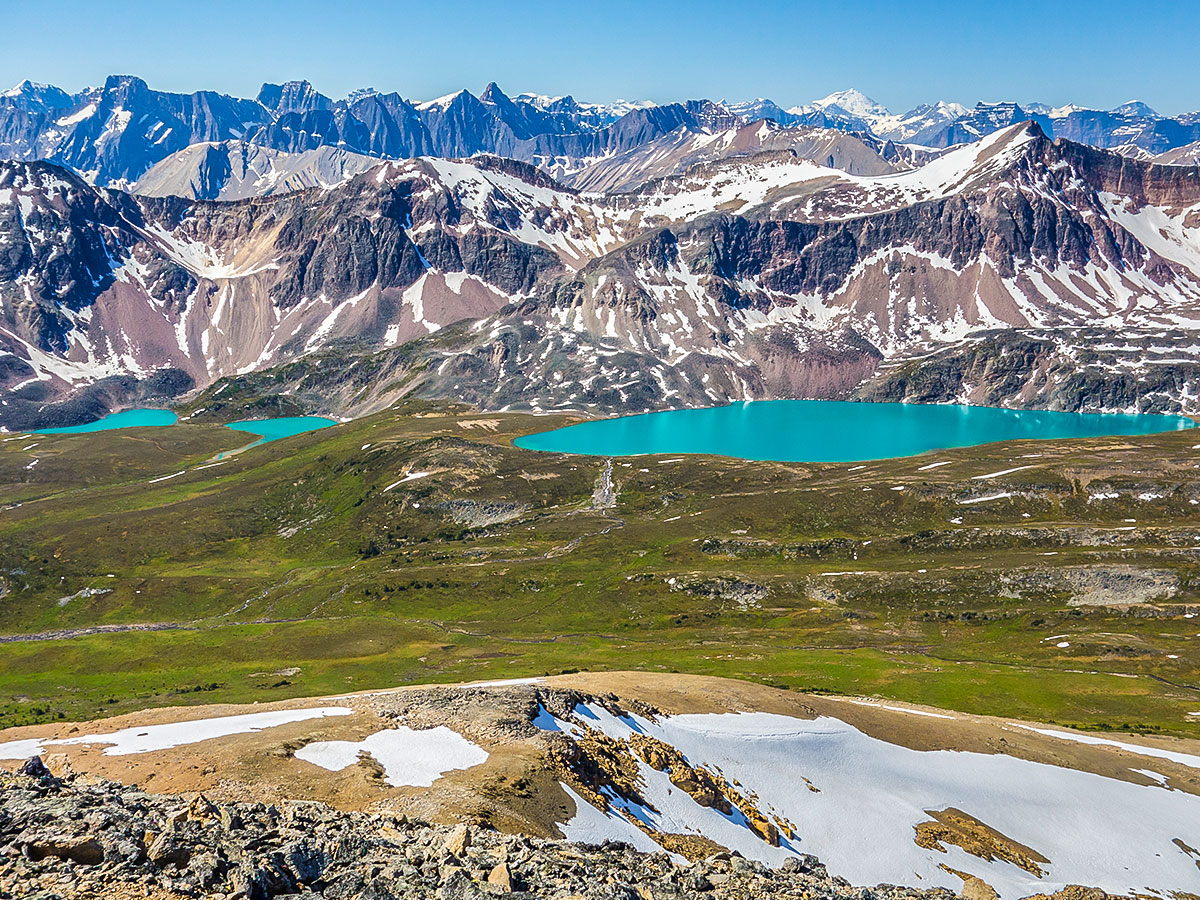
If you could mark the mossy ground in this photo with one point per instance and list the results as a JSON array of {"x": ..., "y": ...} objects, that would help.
[{"x": 306, "y": 554}]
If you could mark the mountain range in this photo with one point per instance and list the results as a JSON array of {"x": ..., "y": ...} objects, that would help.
[
  {"x": 1013, "y": 270},
  {"x": 112, "y": 135}
]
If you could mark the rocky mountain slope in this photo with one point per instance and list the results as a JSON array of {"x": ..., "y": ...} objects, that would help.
[
  {"x": 1187, "y": 155},
  {"x": 759, "y": 276},
  {"x": 237, "y": 170},
  {"x": 794, "y": 289},
  {"x": 74, "y": 839},
  {"x": 674, "y": 153}
]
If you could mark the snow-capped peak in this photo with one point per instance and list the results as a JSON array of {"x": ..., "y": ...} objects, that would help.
[
  {"x": 854, "y": 102},
  {"x": 538, "y": 101},
  {"x": 25, "y": 87},
  {"x": 620, "y": 107},
  {"x": 442, "y": 102},
  {"x": 920, "y": 122},
  {"x": 1061, "y": 112},
  {"x": 44, "y": 94},
  {"x": 1136, "y": 108}
]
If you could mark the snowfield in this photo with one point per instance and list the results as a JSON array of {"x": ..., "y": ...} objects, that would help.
[
  {"x": 867, "y": 795},
  {"x": 147, "y": 738},
  {"x": 409, "y": 758}
]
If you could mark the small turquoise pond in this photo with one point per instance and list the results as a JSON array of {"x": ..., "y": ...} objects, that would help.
[
  {"x": 832, "y": 431},
  {"x": 130, "y": 418},
  {"x": 266, "y": 429}
]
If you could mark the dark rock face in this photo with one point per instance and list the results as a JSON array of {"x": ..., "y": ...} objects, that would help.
[
  {"x": 62, "y": 242},
  {"x": 343, "y": 258},
  {"x": 34, "y": 768},
  {"x": 64, "y": 840},
  {"x": 1100, "y": 370}
]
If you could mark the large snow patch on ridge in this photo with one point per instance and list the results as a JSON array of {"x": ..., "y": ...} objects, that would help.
[
  {"x": 409, "y": 758},
  {"x": 870, "y": 794}
]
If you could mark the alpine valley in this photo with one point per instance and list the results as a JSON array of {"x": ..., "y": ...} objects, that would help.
[{"x": 543, "y": 254}]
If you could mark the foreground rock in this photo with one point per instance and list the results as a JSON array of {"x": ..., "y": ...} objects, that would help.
[{"x": 86, "y": 837}]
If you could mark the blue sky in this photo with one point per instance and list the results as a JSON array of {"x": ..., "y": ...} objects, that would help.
[{"x": 901, "y": 52}]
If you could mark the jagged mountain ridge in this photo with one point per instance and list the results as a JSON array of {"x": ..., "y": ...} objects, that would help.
[
  {"x": 115, "y": 133},
  {"x": 232, "y": 170},
  {"x": 112, "y": 135},
  {"x": 743, "y": 278}
]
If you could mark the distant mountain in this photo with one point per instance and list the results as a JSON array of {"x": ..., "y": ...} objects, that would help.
[
  {"x": 943, "y": 124},
  {"x": 33, "y": 96},
  {"x": 754, "y": 110},
  {"x": 1133, "y": 124},
  {"x": 1137, "y": 109},
  {"x": 852, "y": 102},
  {"x": 1187, "y": 155},
  {"x": 236, "y": 170},
  {"x": 587, "y": 116},
  {"x": 982, "y": 120},
  {"x": 920, "y": 125},
  {"x": 114, "y": 134},
  {"x": 756, "y": 276},
  {"x": 683, "y": 148}
]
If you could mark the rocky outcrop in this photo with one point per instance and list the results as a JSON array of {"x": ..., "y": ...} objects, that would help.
[
  {"x": 699, "y": 784},
  {"x": 84, "y": 837},
  {"x": 1083, "y": 370},
  {"x": 737, "y": 592},
  {"x": 960, "y": 829}
]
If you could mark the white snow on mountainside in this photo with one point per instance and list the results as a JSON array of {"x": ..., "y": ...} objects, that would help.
[{"x": 854, "y": 801}]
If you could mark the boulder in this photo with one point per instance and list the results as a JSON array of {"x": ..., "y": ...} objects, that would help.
[
  {"x": 34, "y": 768},
  {"x": 458, "y": 840},
  {"x": 501, "y": 878},
  {"x": 978, "y": 889},
  {"x": 166, "y": 850}
]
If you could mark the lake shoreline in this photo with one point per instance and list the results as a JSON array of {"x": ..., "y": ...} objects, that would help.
[{"x": 832, "y": 430}]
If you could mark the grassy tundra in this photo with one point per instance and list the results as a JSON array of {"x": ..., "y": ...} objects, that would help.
[{"x": 419, "y": 545}]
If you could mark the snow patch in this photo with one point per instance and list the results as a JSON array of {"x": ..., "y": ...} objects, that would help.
[{"x": 409, "y": 758}]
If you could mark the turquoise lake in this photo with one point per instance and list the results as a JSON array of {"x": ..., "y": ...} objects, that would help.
[
  {"x": 832, "y": 431},
  {"x": 130, "y": 418},
  {"x": 266, "y": 429}
]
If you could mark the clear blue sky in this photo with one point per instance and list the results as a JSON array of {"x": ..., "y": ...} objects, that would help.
[{"x": 901, "y": 52}]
